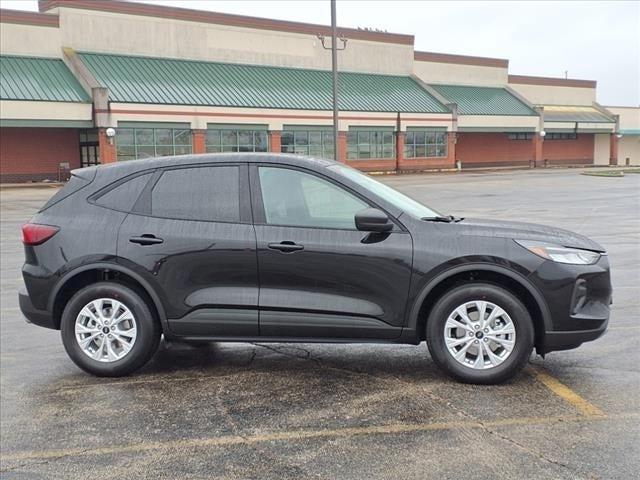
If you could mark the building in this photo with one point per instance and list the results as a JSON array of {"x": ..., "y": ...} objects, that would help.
[{"x": 170, "y": 81}]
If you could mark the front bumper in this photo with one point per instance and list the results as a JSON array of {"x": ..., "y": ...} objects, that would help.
[
  {"x": 33, "y": 315},
  {"x": 579, "y": 299},
  {"x": 554, "y": 341}
]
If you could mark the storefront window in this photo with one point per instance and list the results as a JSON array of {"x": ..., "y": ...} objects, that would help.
[
  {"x": 561, "y": 136},
  {"x": 370, "y": 143},
  {"x": 425, "y": 143},
  {"x": 136, "y": 143},
  {"x": 314, "y": 143},
  {"x": 236, "y": 140},
  {"x": 520, "y": 136}
]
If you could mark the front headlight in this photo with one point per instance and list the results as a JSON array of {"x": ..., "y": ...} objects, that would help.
[{"x": 560, "y": 254}]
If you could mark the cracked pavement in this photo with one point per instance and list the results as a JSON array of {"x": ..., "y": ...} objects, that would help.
[{"x": 292, "y": 411}]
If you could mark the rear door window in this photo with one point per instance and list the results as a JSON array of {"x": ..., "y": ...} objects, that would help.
[{"x": 209, "y": 193}]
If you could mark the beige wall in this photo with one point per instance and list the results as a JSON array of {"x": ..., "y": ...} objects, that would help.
[
  {"x": 629, "y": 147},
  {"x": 629, "y": 117},
  {"x": 497, "y": 121},
  {"x": 23, "y": 110},
  {"x": 198, "y": 117},
  {"x": 436, "y": 72},
  {"x": 29, "y": 40},
  {"x": 95, "y": 31},
  {"x": 601, "y": 149},
  {"x": 551, "y": 95}
]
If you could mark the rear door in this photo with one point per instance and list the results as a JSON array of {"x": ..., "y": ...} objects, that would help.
[
  {"x": 191, "y": 235},
  {"x": 319, "y": 276}
]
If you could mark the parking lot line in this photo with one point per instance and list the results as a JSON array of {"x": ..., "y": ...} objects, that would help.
[
  {"x": 564, "y": 392},
  {"x": 293, "y": 435}
]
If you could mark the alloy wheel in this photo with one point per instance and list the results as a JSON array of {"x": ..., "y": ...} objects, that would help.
[
  {"x": 105, "y": 330},
  {"x": 479, "y": 334}
]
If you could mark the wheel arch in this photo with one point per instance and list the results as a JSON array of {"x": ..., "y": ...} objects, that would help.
[
  {"x": 506, "y": 278},
  {"x": 75, "y": 279}
]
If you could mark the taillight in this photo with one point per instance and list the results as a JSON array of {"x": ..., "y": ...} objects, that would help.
[{"x": 34, "y": 234}]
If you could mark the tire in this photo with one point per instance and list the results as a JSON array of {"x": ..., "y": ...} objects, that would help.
[
  {"x": 500, "y": 366},
  {"x": 134, "y": 332}
]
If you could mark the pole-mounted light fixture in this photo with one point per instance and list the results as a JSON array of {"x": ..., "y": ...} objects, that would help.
[{"x": 334, "y": 70}]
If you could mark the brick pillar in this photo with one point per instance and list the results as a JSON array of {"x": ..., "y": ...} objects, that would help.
[
  {"x": 274, "y": 141},
  {"x": 399, "y": 149},
  {"x": 198, "y": 143},
  {"x": 451, "y": 148},
  {"x": 106, "y": 147},
  {"x": 537, "y": 148},
  {"x": 342, "y": 147},
  {"x": 613, "y": 149}
]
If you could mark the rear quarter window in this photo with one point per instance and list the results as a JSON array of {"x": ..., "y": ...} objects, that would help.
[{"x": 123, "y": 197}]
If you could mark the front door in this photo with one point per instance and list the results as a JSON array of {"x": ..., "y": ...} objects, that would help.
[
  {"x": 319, "y": 275},
  {"x": 89, "y": 149},
  {"x": 191, "y": 236}
]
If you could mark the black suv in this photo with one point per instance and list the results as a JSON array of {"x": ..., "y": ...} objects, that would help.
[{"x": 281, "y": 248}]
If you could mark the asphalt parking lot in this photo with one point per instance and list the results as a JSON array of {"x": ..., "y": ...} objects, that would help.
[{"x": 292, "y": 411}]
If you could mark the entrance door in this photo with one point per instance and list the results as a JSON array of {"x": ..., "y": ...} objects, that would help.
[{"x": 89, "y": 155}]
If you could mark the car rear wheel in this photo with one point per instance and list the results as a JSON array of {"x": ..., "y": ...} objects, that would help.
[
  {"x": 480, "y": 333},
  {"x": 108, "y": 330}
]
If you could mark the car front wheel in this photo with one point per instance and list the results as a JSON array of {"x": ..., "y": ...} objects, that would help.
[
  {"x": 108, "y": 329},
  {"x": 480, "y": 333}
]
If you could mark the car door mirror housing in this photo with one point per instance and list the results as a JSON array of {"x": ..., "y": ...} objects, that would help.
[{"x": 373, "y": 220}]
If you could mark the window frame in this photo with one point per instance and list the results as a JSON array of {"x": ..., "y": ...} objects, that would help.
[
  {"x": 95, "y": 197},
  {"x": 559, "y": 136},
  {"x": 520, "y": 136},
  {"x": 259, "y": 215},
  {"x": 370, "y": 130},
  {"x": 135, "y": 145},
  {"x": 426, "y": 131},
  {"x": 221, "y": 129},
  {"x": 326, "y": 142},
  {"x": 142, "y": 206}
]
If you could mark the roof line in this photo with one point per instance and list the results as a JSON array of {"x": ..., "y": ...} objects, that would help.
[
  {"x": 552, "y": 81},
  {"x": 21, "y": 17},
  {"x": 177, "y": 13},
  {"x": 460, "y": 59},
  {"x": 256, "y": 65}
]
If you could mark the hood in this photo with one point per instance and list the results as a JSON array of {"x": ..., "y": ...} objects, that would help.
[{"x": 526, "y": 231}]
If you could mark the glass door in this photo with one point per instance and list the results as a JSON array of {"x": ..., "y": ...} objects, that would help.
[{"x": 89, "y": 151}]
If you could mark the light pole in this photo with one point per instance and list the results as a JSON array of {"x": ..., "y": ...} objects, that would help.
[{"x": 334, "y": 71}]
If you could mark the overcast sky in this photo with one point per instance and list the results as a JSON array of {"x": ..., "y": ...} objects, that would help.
[{"x": 595, "y": 40}]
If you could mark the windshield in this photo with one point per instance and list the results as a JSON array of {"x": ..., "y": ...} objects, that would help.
[{"x": 399, "y": 200}]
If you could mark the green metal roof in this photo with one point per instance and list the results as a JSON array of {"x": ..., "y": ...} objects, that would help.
[
  {"x": 568, "y": 113},
  {"x": 472, "y": 100},
  {"x": 44, "y": 79},
  {"x": 187, "y": 82}
]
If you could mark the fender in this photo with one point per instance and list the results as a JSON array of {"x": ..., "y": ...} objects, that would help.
[
  {"x": 116, "y": 268},
  {"x": 488, "y": 267}
]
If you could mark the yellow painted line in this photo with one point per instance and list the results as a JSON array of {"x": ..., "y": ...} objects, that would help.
[
  {"x": 567, "y": 394},
  {"x": 293, "y": 435}
]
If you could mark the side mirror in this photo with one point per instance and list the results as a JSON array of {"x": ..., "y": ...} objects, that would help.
[{"x": 373, "y": 220}]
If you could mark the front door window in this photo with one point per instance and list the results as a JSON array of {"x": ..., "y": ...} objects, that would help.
[{"x": 298, "y": 199}]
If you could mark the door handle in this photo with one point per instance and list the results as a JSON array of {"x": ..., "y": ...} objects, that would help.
[
  {"x": 146, "y": 239},
  {"x": 286, "y": 247}
]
